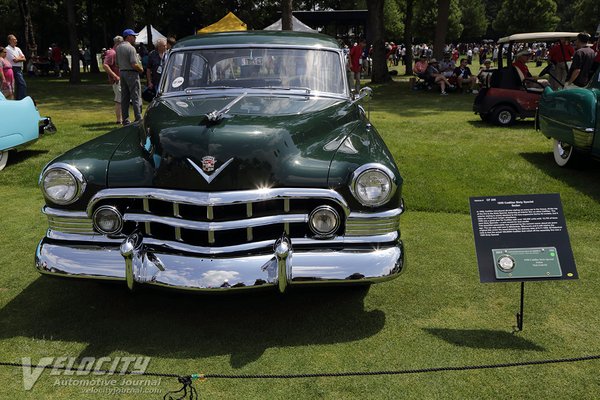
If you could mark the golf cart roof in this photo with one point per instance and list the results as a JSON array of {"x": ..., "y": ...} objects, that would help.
[{"x": 537, "y": 37}]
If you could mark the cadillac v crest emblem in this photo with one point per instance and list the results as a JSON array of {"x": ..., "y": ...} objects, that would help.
[{"x": 208, "y": 165}]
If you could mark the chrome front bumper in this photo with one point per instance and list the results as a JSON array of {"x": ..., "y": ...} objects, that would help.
[{"x": 281, "y": 266}]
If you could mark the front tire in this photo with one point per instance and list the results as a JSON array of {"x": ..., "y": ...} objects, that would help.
[
  {"x": 3, "y": 159},
  {"x": 504, "y": 116},
  {"x": 564, "y": 154}
]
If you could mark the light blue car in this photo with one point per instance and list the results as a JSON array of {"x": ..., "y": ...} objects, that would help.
[{"x": 21, "y": 126}]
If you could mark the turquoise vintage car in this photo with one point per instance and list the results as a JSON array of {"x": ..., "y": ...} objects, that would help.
[
  {"x": 572, "y": 118},
  {"x": 254, "y": 167},
  {"x": 21, "y": 126}
]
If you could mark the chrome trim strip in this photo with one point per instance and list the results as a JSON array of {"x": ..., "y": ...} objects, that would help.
[
  {"x": 579, "y": 128},
  {"x": 255, "y": 46},
  {"x": 97, "y": 239},
  {"x": 49, "y": 211},
  {"x": 217, "y": 198},
  {"x": 216, "y": 226}
]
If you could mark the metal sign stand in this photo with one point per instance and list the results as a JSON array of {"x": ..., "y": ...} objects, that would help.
[{"x": 520, "y": 314}]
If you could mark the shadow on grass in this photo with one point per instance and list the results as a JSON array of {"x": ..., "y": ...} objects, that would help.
[
  {"x": 484, "y": 339},
  {"x": 583, "y": 178},
  {"x": 173, "y": 325},
  {"x": 522, "y": 124},
  {"x": 17, "y": 157},
  {"x": 101, "y": 126}
]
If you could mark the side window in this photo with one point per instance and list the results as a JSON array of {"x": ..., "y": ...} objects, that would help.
[{"x": 175, "y": 77}]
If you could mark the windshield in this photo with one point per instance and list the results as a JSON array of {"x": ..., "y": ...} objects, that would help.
[{"x": 318, "y": 70}]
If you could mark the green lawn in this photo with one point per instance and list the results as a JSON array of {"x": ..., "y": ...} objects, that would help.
[{"x": 436, "y": 314}]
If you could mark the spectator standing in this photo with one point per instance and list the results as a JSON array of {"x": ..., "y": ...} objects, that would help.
[
  {"x": 156, "y": 63},
  {"x": 56, "y": 58},
  {"x": 581, "y": 67},
  {"x": 560, "y": 53},
  {"x": 87, "y": 57},
  {"x": 130, "y": 68},
  {"x": 15, "y": 56},
  {"x": 355, "y": 60},
  {"x": 596, "y": 63},
  {"x": 6, "y": 74},
  {"x": 469, "y": 56},
  {"x": 110, "y": 66}
]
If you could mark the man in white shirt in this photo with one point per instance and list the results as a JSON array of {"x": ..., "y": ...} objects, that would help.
[{"x": 16, "y": 57}]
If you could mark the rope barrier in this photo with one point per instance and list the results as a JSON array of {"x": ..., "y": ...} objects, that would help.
[{"x": 189, "y": 391}]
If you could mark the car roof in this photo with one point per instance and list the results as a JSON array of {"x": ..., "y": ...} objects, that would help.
[
  {"x": 538, "y": 37},
  {"x": 258, "y": 38}
]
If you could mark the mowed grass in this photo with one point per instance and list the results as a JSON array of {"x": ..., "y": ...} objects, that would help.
[{"x": 436, "y": 314}]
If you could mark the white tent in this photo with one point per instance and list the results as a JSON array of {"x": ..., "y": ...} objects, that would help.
[
  {"x": 143, "y": 35},
  {"x": 297, "y": 25}
]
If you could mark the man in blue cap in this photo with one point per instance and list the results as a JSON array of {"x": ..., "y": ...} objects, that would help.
[{"x": 130, "y": 68}]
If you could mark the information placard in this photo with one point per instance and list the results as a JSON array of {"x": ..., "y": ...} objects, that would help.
[{"x": 521, "y": 237}]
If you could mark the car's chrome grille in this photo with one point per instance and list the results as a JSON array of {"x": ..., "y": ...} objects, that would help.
[{"x": 224, "y": 219}]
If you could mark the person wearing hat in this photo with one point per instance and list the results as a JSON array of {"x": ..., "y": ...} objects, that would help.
[
  {"x": 130, "y": 68},
  {"x": 433, "y": 75},
  {"x": 485, "y": 72},
  {"x": 581, "y": 67},
  {"x": 520, "y": 63}
]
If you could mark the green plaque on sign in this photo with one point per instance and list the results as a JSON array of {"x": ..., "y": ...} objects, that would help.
[{"x": 531, "y": 262}]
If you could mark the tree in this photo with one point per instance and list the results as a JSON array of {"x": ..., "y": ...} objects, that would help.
[
  {"x": 393, "y": 19},
  {"x": 587, "y": 16},
  {"x": 73, "y": 42},
  {"x": 441, "y": 28},
  {"x": 408, "y": 35},
  {"x": 473, "y": 19},
  {"x": 380, "y": 73},
  {"x": 30, "y": 44},
  {"x": 286, "y": 15},
  {"x": 515, "y": 16},
  {"x": 426, "y": 14}
]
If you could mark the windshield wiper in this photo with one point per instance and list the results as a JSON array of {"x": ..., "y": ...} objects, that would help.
[{"x": 215, "y": 116}]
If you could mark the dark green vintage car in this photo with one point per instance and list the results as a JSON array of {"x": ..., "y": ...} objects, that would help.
[
  {"x": 572, "y": 118},
  {"x": 254, "y": 167}
]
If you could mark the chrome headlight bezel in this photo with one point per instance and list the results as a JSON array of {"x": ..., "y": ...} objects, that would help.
[
  {"x": 377, "y": 168},
  {"x": 112, "y": 209},
  {"x": 333, "y": 230},
  {"x": 74, "y": 173}
]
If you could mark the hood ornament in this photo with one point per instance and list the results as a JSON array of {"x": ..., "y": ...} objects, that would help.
[
  {"x": 216, "y": 116},
  {"x": 208, "y": 165}
]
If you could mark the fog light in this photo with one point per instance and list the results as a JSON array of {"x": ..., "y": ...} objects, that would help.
[
  {"x": 107, "y": 220},
  {"x": 324, "y": 221}
]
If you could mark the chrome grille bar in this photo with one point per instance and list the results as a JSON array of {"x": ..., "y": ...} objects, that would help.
[
  {"x": 146, "y": 206},
  {"x": 249, "y": 230},
  {"x": 216, "y": 226},
  {"x": 218, "y": 198}
]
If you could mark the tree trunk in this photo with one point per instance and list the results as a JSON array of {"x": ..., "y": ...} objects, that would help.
[
  {"x": 73, "y": 43},
  {"x": 128, "y": 14},
  {"x": 408, "y": 36},
  {"x": 441, "y": 29},
  {"x": 90, "y": 27},
  {"x": 286, "y": 15},
  {"x": 29, "y": 39},
  {"x": 380, "y": 73}
]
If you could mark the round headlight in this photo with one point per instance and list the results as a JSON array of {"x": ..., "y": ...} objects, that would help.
[
  {"x": 372, "y": 185},
  {"x": 107, "y": 220},
  {"x": 62, "y": 183},
  {"x": 324, "y": 221}
]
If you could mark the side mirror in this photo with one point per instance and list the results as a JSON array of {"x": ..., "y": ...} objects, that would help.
[{"x": 365, "y": 93}]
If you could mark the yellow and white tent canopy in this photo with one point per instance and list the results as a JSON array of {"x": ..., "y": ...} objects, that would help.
[{"x": 228, "y": 23}]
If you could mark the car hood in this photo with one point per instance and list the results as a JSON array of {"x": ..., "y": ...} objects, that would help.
[{"x": 263, "y": 141}]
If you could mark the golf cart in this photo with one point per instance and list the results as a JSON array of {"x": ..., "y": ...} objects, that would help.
[{"x": 506, "y": 95}]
